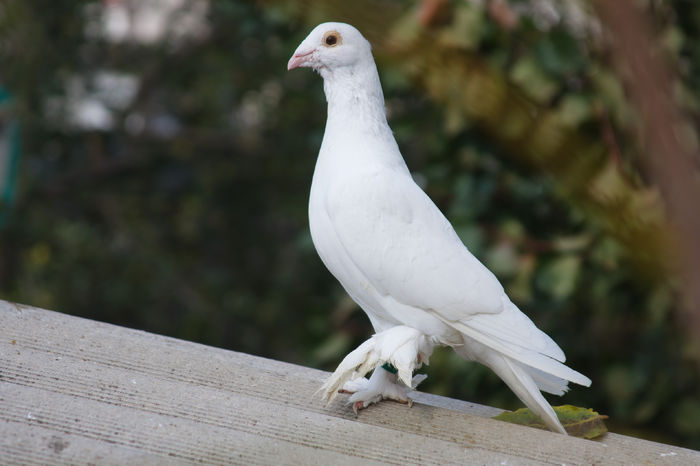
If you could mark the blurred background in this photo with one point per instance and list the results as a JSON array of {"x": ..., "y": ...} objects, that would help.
[{"x": 156, "y": 158}]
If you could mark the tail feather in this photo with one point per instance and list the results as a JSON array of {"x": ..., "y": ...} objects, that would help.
[
  {"x": 519, "y": 379},
  {"x": 548, "y": 383},
  {"x": 522, "y": 384},
  {"x": 525, "y": 371},
  {"x": 529, "y": 358}
]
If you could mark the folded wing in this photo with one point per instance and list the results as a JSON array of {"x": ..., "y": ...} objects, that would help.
[{"x": 406, "y": 248}]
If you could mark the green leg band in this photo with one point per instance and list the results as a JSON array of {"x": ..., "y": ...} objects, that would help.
[{"x": 389, "y": 368}]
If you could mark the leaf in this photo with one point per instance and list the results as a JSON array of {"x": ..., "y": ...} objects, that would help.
[
  {"x": 578, "y": 422},
  {"x": 559, "y": 53},
  {"x": 686, "y": 414},
  {"x": 574, "y": 110},
  {"x": 467, "y": 27},
  {"x": 558, "y": 277},
  {"x": 527, "y": 74}
]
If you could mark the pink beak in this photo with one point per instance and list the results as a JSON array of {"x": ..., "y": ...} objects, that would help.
[{"x": 298, "y": 59}]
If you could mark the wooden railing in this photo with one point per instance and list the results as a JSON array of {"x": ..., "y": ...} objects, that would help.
[{"x": 75, "y": 391}]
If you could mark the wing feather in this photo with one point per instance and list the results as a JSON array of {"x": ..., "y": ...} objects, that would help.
[{"x": 405, "y": 248}]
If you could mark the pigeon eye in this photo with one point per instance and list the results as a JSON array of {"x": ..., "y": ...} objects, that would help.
[{"x": 331, "y": 39}]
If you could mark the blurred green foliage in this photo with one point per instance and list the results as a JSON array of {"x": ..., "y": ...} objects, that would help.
[{"x": 184, "y": 212}]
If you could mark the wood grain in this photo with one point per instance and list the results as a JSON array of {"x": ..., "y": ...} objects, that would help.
[{"x": 75, "y": 391}]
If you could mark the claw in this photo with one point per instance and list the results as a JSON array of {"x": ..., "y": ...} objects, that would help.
[{"x": 357, "y": 406}]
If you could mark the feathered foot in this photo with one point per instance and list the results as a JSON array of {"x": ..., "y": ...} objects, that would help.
[
  {"x": 382, "y": 385},
  {"x": 405, "y": 348}
]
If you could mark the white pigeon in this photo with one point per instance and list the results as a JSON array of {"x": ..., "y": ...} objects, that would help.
[{"x": 397, "y": 255}]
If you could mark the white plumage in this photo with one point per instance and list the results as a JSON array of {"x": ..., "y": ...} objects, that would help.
[{"x": 397, "y": 255}]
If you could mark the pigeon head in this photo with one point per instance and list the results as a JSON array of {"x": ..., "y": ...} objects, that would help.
[{"x": 331, "y": 46}]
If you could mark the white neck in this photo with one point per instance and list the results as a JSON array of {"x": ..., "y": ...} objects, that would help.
[
  {"x": 355, "y": 98},
  {"x": 357, "y": 133}
]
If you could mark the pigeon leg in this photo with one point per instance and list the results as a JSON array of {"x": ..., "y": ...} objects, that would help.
[
  {"x": 394, "y": 354},
  {"x": 382, "y": 385}
]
